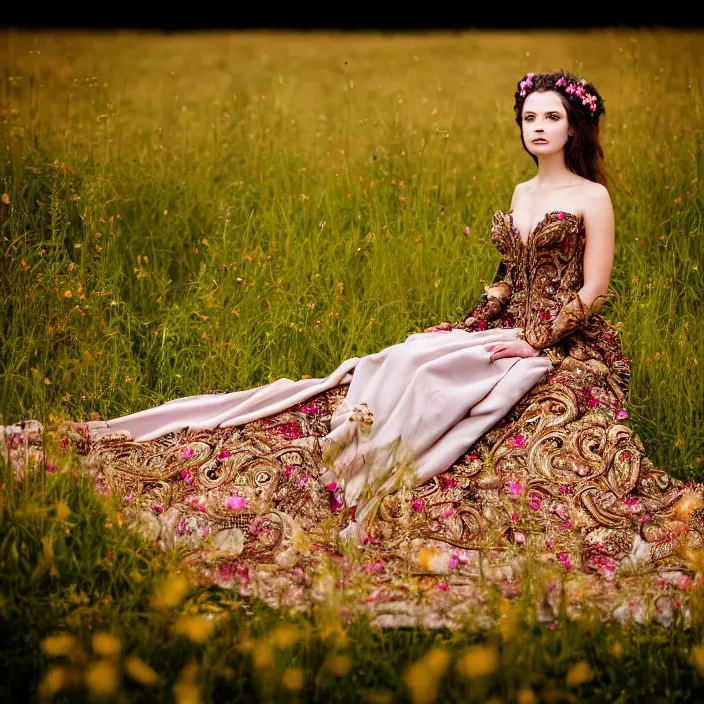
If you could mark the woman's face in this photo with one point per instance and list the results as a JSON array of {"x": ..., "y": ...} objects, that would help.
[{"x": 544, "y": 123}]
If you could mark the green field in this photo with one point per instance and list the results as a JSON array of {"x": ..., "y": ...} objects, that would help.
[{"x": 214, "y": 211}]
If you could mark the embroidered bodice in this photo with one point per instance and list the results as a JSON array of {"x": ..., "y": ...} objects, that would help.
[
  {"x": 544, "y": 273},
  {"x": 536, "y": 289}
]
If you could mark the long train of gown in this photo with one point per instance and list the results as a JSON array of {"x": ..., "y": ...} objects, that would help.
[{"x": 521, "y": 468}]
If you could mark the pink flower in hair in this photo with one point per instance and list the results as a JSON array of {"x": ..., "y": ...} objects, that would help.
[
  {"x": 527, "y": 83},
  {"x": 560, "y": 82}
]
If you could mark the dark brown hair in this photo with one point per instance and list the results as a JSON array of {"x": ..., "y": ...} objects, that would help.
[{"x": 583, "y": 153}]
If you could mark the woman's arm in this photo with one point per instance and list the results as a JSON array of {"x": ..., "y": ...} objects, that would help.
[{"x": 493, "y": 300}]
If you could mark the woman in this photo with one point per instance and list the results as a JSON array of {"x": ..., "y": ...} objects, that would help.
[{"x": 461, "y": 452}]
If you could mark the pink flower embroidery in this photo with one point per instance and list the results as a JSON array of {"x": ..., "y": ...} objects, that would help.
[
  {"x": 224, "y": 455},
  {"x": 129, "y": 499},
  {"x": 516, "y": 488},
  {"x": 188, "y": 452},
  {"x": 448, "y": 482},
  {"x": 305, "y": 480},
  {"x": 514, "y": 516},
  {"x": 463, "y": 557},
  {"x": 684, "y": 582},
  {"x": 237, "y": 502},
  {"x": 448, "y": 514},
  {"x": 290, "y": 431},
  {"x": 64, "y": 444},
  {"x": 187, "y": 476},
  {"x": 332, "y": 486},
  {"x": 378, "y": 566},
  {"x": 336, "y": 502},
  {"x": 621, "y": 414},
  {"x": 51, "y": 468},
  {"x": 518, "y": 441},
  {"x": 196, "y": 502},
  {"x": 519, "y": 538},
  {"x": 566, "y": 525},
  {"x": 288, "y": 470},
  {"x": 444, "y": 587},
  {"x": 564, "y": 558},
  {"x": 312, "y": 409},
  {"x": 535, "y": 500},
  {"x": 560, "y": 216},
  {"x": 603, "y": 565},
  {"x": 417, "y": 505},
  {"x": 545, "y": 316},
  {"x": 226, "y": 571},
  {"x": 633, "y": 504},
  {"x": 453, "y": 562}
]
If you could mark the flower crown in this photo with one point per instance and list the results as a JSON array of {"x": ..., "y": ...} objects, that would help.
[{"x": 576, "y": 89}]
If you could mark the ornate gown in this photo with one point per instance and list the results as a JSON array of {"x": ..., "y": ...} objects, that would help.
[{"x": 553, "y": 490}]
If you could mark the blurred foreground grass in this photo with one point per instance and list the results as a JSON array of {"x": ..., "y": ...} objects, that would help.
[{"x": 216, "y": 211}]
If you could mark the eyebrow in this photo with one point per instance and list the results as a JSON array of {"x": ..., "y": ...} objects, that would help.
[{"x": 547, "y": 112}]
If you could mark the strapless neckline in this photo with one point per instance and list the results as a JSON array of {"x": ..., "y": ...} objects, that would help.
[{"x": 541, "y": 223}]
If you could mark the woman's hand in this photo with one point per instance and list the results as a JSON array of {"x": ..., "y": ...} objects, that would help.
[
  {"x": 510, "y": 348},
  {"x": 443, "y": 327}
]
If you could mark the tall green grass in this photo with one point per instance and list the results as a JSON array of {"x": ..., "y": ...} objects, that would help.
[{"x": 194, "y": 212}]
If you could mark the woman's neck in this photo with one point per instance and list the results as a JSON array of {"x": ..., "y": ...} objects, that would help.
[{"x": 552, "y": 170}]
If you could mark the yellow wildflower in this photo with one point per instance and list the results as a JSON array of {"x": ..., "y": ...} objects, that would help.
[
  {"x": 5, "y": 199},
  {"x": 53, "y": 681},
  {"x": 422, "y": 676},
  {"x": 578, "y": 674},
  {"x": 105, "y": 644},
  {"x": 58, "y": 645},
  {"x": 140, "y": 672},
  {"x": 293, "y": 679},
  {"x": 171, "y": 592},
  {"x": 101, "y": 678},
  {"x": 195, "y": 627},
  {"x": 478, "y": 661},
  {"x": 526, "y": 696},
  {"x": 286, "y": 635},
  {"x": 185, "y": 689},
  {"x": 262, "y": 656},
  {"x": 697, "y": 656},
  {"x": 339, "y": 665}
]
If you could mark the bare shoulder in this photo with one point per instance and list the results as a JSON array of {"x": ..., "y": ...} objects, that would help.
[
  {"x": 596, "y": 200},
  {"x": 521, "y": 191}
]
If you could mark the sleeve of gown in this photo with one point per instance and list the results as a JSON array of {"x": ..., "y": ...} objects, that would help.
[
  {"x": 493, "y": 301},
  {"x": 544, "y": 329}
]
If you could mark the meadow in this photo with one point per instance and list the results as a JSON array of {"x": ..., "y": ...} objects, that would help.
[{"x": 183, "y": 213}]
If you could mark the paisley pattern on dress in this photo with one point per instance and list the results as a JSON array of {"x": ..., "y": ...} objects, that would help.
[{"x": 559, "y": 492}]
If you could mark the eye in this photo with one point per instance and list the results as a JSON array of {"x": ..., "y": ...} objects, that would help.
[
  {"x": 555, "y": 117},
  {"x": 528, "y": 118}
]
